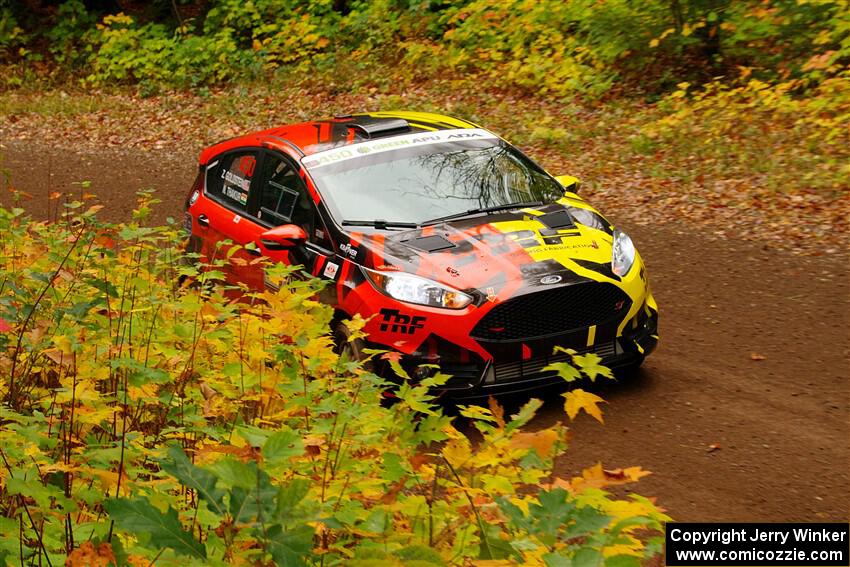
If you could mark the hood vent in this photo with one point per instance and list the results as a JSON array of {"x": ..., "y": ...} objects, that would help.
[
  {"x": 429, "y": 243},
  {"x": 558, "y": 219}
]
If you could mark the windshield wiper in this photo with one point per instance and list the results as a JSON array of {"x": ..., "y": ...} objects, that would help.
[
  {"x": 482, "y": 210},
  {"x": 380, "y": 224}
]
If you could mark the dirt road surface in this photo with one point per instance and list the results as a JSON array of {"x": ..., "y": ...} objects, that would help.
[{"x": 727, "y": 438}]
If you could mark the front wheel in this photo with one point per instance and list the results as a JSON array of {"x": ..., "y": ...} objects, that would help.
[
  {"x": 629, "y": 370},
  {"x": 343, "y": 346}
]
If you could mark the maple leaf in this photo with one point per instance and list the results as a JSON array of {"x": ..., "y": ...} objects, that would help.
[
  {"x": 589, "y": 364},
  {"x": 598, "y": 477},
  {"x": 457, "y": 452},
  {"x": 580, "y": 400},
  {"x": 140, "y": 516},
  {"x": 497, "y": 410},
  {"x": 541, "y": 441},
  {"x": 565, "y": 370}
]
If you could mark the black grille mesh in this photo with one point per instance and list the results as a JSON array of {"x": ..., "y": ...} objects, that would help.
[
  {"x": 552, "y": 311},
  {"x": 519, "y": 369}
]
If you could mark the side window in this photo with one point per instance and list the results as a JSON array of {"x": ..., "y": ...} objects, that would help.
[
  {"x": 229, "y": 179},
  {"x": 284, "y": 199},
  {"x": 283, "y": 196}
]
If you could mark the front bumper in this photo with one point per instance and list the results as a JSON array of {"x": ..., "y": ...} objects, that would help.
[{"x": 518, "y": 368}]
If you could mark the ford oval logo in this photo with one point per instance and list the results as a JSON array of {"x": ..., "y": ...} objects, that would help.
[{"x": 548, "y": 280}]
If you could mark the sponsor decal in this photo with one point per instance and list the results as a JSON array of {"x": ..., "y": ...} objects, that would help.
[
  {"x": 330, "y": 270},
  {"x": 236, "y": 219},
  {"x": 348, "y": 249},
  {"x": 363, "y": 149},
  {"x": 395, "y": 321},
  {"x": 388, "y": 268},
  {"x": 553, "y": 248},
  {"x": 246, "y": 165},
  {"x": 549, "y": 280},
  {"x": 320, "y": 234},
  {"x": 454, "y": 273},
  {"x": 491, "y": 295}
]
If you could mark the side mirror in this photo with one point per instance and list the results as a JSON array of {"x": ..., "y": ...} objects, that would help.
[
  {"x": 284, "y": 237},
  {"x": 569, "y": 182}
]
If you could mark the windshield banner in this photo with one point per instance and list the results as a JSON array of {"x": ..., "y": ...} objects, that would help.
[{"x": 372, "y": 147}]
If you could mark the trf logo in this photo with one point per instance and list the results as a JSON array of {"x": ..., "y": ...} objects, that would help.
[{"x": 397, "y": 322}]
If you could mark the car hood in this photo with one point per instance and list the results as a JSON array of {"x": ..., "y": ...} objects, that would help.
[{"x": 498, "y": 255}]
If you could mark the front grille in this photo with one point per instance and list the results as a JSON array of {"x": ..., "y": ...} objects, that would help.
[
  {"x": 553, "y": 311},
  {"x": 509, "y": 371},
  {"x": 463, "y": 375}
]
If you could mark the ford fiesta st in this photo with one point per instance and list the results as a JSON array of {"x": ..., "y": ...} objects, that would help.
[{"x": 459, "y": 250}]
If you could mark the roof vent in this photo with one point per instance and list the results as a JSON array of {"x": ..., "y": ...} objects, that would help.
[{"x": 382, "y": 127}]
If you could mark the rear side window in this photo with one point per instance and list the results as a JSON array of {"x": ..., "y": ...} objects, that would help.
[{"x": 229, "y": 178}]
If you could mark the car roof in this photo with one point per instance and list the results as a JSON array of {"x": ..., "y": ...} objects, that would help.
[{"x": 318, "y": 135}]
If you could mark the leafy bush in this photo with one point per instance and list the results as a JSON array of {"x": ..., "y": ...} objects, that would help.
[
  {"x": 129, "y": 52},
  {"x": 11, "y": 34},
  {"x": 551, "y": 47},
  {"x": 145, "y": 421},
  {"x": 755, "y": 129}
]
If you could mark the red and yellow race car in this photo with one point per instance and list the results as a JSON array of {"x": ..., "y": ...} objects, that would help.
[{"x": 459, "y": 249}]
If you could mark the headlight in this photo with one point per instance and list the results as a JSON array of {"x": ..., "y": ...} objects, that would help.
[
  {"x": 623, "y": 253},
  {"x": 413, "y": 289}
]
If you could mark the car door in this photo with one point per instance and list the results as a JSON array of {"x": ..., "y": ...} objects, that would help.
[
  {"x": 282, "y": 198},
  {"x": 229, "y": 181}
]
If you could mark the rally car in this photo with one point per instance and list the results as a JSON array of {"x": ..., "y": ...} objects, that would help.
[{"x": 461, "y": 251}]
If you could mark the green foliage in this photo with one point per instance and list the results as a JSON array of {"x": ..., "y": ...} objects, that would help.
[
  {"x": 11, "y": 34},
  {"x": 148, "y": 421},
  {"x": 138, "y": 516},
  {"x": 68, "y": 37},
  {"x": 550, "y": 47}
]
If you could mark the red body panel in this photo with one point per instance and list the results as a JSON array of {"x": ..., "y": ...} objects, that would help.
[{"x": 495, "y": 262}]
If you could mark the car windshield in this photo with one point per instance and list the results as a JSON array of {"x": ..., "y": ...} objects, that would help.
[{"x": 413, "y": 180}]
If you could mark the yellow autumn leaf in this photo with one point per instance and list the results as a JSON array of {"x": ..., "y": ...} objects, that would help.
[
  {"x": 598, "y": 477},
  {"x": 634, "y": 548},
  {"x": 581, "y": 400},
  {"x": 624, "y": 509},
  {"x": 457, "y": 452}
]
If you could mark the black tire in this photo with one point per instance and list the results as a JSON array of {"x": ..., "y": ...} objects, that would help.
[
  {"x": 629, "y": 370},
  {"x": 344, "y": 346}
]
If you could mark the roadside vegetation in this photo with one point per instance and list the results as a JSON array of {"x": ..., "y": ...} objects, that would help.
[
  {"x": 732, "y": 115},
  {"x": 150, "y": 422}
]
